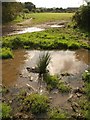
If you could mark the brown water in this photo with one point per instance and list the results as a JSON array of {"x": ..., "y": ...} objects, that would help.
[
  {"x": 16, "y": 76},
  {"x": 14, "y": 70}
]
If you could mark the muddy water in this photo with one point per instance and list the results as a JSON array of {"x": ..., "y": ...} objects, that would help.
[
  {"x": 12, "y": 67},
  {"x": 10, "y": 30},
  {"x": 16, "y": 76},
  {"x": 73, "y": 62}
]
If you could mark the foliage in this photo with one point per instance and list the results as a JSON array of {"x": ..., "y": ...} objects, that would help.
[
  {"x": 37, "y": 103},
  {"x": 30, "y": 6},
  {"x": 63, "y": 87},
  {"x": 65, "y": 38},
  {"x": 6, "y": 53},
  {"x": 86, "y": 76},
  {"x": 87, "y": 90},
  {"x": 57, "y": 114},
  {"x": 52, "y": 81},
  {"x": 85, "y": 108},
  {"x": 82, "y": 17},
  {"x": 6, "y": 110},
  {"x": 10, "y": 10},
  {"x": 43, "y": 62}
]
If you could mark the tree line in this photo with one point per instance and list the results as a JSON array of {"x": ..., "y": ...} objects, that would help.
[{"x": 10, "y": 10}]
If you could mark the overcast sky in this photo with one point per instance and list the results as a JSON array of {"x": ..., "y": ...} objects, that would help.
[
  {"x": 52, "y": 3},
  {"x": 55, "y": 3}
]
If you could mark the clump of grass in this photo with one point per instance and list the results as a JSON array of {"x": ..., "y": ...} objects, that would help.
[
  {"x": 86, "y": 76},
  {"x": 43, "y": 62},
  {"x": 57, "y": 114},
  {"x": 37, "y": 103},
  {"x": 64, "y": 88},
  {"x": 6, "y": 110},
  {"x": 6, "y": 53},
  {"x": 87, "y": 90},
  {"x": 85, "y": 108},
  {"x": 52, "y": 81}
]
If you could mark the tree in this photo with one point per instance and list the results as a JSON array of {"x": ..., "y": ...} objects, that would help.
[
  {"x": 10, "y": 10},
  {"x": 30, "y": 6}
]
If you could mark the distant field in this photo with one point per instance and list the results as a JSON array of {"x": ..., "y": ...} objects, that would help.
[{"x": 44, "y": 17}]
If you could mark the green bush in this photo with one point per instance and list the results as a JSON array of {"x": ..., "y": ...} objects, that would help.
[
  {"x": 6, "y": 53},
  {"x": 6, "y": 110},
  {"x": 37, "y": 103},
  {"x": 82, "y": 17},
  {"x": 86, "y": 76}
]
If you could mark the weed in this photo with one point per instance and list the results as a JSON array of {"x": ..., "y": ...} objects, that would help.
[
  {"x": 57, "y": 114},
  {"x": 63, "y": 87},
  {"x": 37, "y": 103},
  {"x": 6, "y": 53},
  {"x": 6, "y": 110},
  {"x": 86, "y": 76},
  {"x": 52, "y": 81}
]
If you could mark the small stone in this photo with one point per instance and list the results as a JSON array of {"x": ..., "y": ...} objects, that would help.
[
  {"x": 25, "y": 116},
  {"x": 50, "y": 97},
  {"x": 70, "y": 97},
  {"x": 78, "y": 95},
  {"x": 20, "y": 75},
  {"x": 10, "y": 101}
]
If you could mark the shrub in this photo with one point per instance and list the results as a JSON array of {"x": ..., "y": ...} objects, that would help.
[
  {"x": 6, "y": 110},
  {"x": 86, "y": 76},
  {"x": 37, "y": 103},
  {"x": 6, "y": 53},
  {"x": 82, "y": 17}
]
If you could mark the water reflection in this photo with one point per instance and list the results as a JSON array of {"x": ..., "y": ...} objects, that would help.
[{"x": 61, "y": 61}]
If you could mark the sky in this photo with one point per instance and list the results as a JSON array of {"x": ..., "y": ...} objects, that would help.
[{"x": 53, "y": 3}]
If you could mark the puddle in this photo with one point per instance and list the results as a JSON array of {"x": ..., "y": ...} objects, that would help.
[
  {"x": 27, "y": 30},
  {"x": 73, "y": 62},
  {"x": 13, "y": 30},
  {"x": 56, "y": 26},
  {"x": 16, "y": 76}
]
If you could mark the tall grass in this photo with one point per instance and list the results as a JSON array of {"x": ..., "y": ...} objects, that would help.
[{"x": 43, "y": 62}]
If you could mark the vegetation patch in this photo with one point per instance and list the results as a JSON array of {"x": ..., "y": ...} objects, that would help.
[
  {"x": 64, "y": 88},
  {"x": 43, "y": 62},
  {"x": 86, "y": 76},
  {"x": 53, "y": 38},
  {"x": 57, "y": 114},
  {"x": 37, "y": 103},
  {"x": 52, "y": 81},
  {"x": 6, "y": 110},
  {"x": 6, "y": 53}
]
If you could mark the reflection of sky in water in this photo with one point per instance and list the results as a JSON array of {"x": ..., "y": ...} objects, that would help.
[{"x": 61, "y": 61}]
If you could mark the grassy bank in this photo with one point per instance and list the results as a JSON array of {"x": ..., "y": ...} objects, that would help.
[
  {"x": 43, "y": 17},
  {"x": 53, "y": 38}
]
